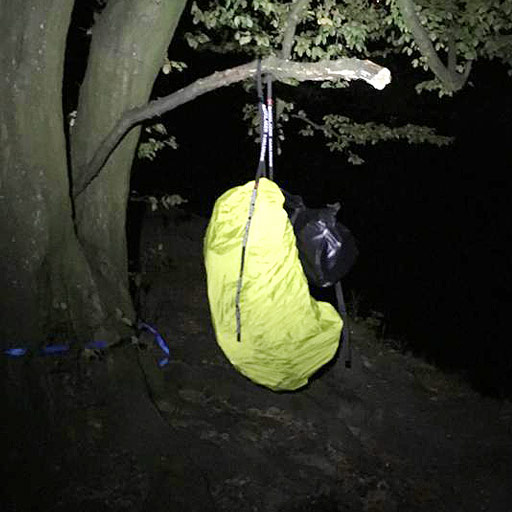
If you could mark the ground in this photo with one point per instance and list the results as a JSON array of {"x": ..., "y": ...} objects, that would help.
[{"x": 115, "y": 431}]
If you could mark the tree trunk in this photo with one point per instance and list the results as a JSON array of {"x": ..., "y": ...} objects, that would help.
[
  {"x": 46, "y": 287},
  {"x": 129, "y": 43}
]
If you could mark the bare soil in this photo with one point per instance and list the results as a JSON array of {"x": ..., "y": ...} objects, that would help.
[{"x": 113, "y": 431}]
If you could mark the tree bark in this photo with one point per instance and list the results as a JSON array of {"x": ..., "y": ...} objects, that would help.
[
  {"x": 46, "y": 287},
  {"x": 128, "y": 47}
]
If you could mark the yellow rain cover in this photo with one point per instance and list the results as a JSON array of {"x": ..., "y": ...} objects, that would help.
[{"x": 285, "y": 334}]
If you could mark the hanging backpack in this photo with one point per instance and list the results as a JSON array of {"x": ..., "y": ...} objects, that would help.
[
  {"x": 265, "y": 320},
  {"x": 270, "y": 328}
]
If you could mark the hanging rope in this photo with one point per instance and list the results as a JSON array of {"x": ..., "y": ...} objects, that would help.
[{"x": 266, "y": 137}]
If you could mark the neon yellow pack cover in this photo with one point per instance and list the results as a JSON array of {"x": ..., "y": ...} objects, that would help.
[{"x": 285, "y": 334}]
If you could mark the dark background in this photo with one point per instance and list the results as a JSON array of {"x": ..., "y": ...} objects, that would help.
[{"x": 432, "y": 223}]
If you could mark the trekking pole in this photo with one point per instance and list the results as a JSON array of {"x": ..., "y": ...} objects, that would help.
[{"x": 346, "y": 347}]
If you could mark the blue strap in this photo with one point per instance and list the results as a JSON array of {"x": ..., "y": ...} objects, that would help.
[
  {"x": 96, "y": 344},
  {"x": 159, "y": 340},
  {"x": 52, "y": 349},
  {"x": 15, "y": 352},
  {"x": 61, "y": 348}
]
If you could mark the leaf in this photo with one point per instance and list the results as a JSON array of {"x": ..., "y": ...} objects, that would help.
[
  {"x": 246, "y": 39},
  {"x": 325, "y": 21}
]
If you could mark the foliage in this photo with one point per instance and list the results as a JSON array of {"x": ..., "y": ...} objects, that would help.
[
  {"x": 328, "y": 29},
  {"x": 457, "y": 31},
  {"x": 342, "y": 133},
  {"x": 357, "y": 28},
  {"x": 173, "y": 65},
  {"x": 155, "y": 139},
  {"x": 471, "y": 29},
  {"x": 165, "y": 201}
]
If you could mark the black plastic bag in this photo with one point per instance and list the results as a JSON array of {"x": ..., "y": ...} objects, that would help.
[{"x": 327, "y": 248}]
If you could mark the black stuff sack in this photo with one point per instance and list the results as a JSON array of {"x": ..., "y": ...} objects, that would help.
[{"x": 327, "y": 248}]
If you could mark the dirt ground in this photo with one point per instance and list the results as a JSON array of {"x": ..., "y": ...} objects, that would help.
[{"x": 113, "y": 431}]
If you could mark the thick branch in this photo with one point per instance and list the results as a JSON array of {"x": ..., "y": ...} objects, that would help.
[
  {"x": 348, "y": 69},
  {"x": 450, "y": 78},
  {"x": 291, "y": 25}
]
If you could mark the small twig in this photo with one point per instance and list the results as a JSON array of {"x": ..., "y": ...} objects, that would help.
[{"x": 322, "y": 128}]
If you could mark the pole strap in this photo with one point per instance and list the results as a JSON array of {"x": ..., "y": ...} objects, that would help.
[
  {"x": 270, "y": 128},
  {"x": 266, "y": 136}
]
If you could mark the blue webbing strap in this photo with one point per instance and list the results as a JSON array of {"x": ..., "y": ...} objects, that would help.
[
  {"x": 60, "y": 348},
  {"x": 52, "y": 349},
  {"x": 159, "y": 341}
]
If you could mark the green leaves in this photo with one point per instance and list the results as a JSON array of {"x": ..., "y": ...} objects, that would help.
[
  {"x": 461, "y": 31},
  {"x": 165, "y": 201},
  {"x": 252, "y": 24},
  {"x": 155, "y": 140},
  {"x": 443, "y": 37},
  {"x": 345, "y": 132},
  {"x": 342, "y": 134},
  {"x": 170, "y": 65},
  {"x": 328, "y": 29}
]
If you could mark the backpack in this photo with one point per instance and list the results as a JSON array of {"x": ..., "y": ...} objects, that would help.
[{"x": 267, "y": 324}]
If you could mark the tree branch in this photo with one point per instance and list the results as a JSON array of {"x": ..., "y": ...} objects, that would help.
[
  {"x": 348, "y": 69},
  {"x": 452, "y": 53},
  {"x": 291, "y": 25},
  {"x": 293, "y": 19},
  {"x": 451, "y": 79}
]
